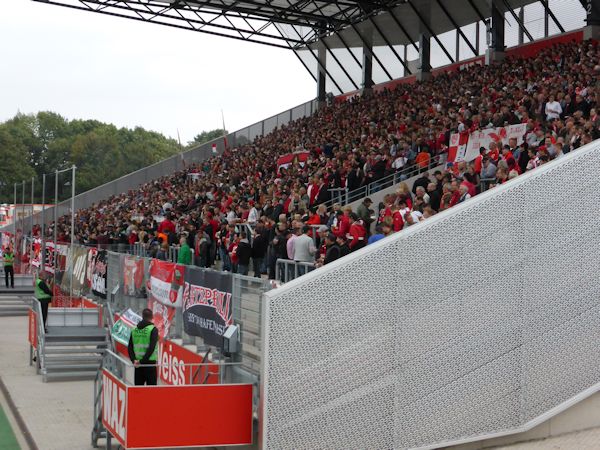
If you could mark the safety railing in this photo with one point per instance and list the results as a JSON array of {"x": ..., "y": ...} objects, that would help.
[
  {"x": 287, "y": 270},
  {"x": 37, "y": 355},
  {"x": 484, "y": 183},
  {"x": 343, "y": 196}
]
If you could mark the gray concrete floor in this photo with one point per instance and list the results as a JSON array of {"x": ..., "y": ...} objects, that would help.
[{"x": 58, "y": 414}]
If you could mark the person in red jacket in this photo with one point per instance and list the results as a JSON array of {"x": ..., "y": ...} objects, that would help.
[
  {"x": 166, "y": 225},
  {"x": 357, "y": 234},
  {"x": 398, "y": 221},
  {"x": 343, "y": 223}
]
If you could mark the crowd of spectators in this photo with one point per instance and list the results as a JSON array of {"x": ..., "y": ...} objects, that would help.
[{"x": 353, "y": 143}]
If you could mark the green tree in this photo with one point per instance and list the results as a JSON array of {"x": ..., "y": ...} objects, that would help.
[
  {"x": 15, "y": 166},
  {"x": 207, "y": 136},
  {"x": 31, "y": 145}
]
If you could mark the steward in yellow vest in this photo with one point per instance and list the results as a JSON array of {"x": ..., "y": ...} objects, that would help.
[{"x": 143, "y": 350}]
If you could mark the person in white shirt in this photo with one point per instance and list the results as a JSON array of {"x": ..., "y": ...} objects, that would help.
[
  {"x": 253, "y": 214},
  {"x": 399, "y": 162},
  {"x": 553, "y": 109}
]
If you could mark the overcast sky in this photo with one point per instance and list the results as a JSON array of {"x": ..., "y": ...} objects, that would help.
[{"x": 91, "y": 66}]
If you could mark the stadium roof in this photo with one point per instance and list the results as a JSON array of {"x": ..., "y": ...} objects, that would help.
[{"x": 298, "y": 23}]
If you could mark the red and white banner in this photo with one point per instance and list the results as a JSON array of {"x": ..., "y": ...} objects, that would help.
[
  {"x": 32, "y": 328},
  {"x": 483, "y": 138},
  {"x": 283, "y": 162},
  {"x": 91, "y": 259},
  {"x": 458, "y": 147},
  {"x": 465, "y": 147},
  {"x": 165, "y": 293},
  {"x": 114, "y": 406},
  {"x": 36, "y": 253},
  {"x": 49, "y": 260},
  {"x": 177, "y": 366}
]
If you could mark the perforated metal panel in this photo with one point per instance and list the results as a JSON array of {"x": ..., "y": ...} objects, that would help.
[{"x": 475, "y": 322}]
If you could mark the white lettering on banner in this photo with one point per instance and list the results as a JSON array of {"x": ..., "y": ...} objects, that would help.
[
  {"x": 113, "y": 408},
  {"x": 79, "y": 268},
  {"x": 200, "y": 295},
  {"x": 172, "y": 369}
]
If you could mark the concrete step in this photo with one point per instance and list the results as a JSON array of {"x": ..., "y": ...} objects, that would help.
[
  {"x": 72, "y": 358},
  {"x": 17, "y": 291},
  {"x": 80, "y": 343},
  {"x": 77, "y": 350},
  {"x": 58, "y": 367},
  {"x": 71, "y": 375}
]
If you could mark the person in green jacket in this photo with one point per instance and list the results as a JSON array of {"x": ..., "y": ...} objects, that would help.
[
  {"x": 9, "y": 260},
  {"x": 185, "y": 253}
]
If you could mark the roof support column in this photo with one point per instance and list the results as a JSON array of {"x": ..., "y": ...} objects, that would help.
[
  {"x": 321, "y": 73},
  {"x": 522, "y": 19},
  {"x": 424, "y": 71},
  {"x": 367, "y": 57},
  {"x": 495, "y": 28},
  {"x": 592, "y": 20}
]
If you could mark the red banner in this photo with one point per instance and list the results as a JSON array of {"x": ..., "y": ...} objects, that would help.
[
  {"x": 193, "y": 416},
  {"x": 114, "y": 407},
  {"x": 165, "y": 292},
  {"x": 175, "y": 368},
  {"x": 32, "y": 328}
]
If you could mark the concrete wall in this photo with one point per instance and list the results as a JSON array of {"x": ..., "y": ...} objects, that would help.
[{"x": 583, "y": 415}]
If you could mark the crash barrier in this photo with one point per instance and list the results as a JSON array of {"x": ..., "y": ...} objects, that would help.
[
  {"x": 492, "y": 346},
  {"x": 171, "y": 415},
  {"x": 287, "y": 270}
]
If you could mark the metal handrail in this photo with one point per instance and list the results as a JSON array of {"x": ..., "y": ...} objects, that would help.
[
  {"x": 291, "y": 268},
  {"x": 41, "y": 334},
  {"x": 345, "y": 197}
]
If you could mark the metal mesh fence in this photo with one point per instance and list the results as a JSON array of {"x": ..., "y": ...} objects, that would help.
[
  {"x": 481, "y": 320},
  {"x": 246, "y": 303}
]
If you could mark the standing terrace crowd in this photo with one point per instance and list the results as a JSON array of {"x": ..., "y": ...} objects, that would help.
[{"x": 352, "y": 144}]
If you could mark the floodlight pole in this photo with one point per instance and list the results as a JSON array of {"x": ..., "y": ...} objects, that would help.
[
  {"x": 55, "y": 225},
  {"x": 72, "y": 228},
  {"x": 43, "y": 224},
  {"x": 15, "y": 220},
  {"x": 32, "y": 189}
]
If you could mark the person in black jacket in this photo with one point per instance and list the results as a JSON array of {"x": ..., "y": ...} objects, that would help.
[
  {"x": 333, "y": 250},
  {"x": 244, "y": 253},
  {"x": 259, "y": 249},
  {"x": 279, "y": 247},
  {"x": 142, "y": 350}
]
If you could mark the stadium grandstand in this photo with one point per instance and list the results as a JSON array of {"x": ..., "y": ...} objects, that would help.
[{"x": 441, "y": 205}]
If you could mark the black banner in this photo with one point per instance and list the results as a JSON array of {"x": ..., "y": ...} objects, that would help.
[
  {"x": 207, "y": 306},
  {"x": 99, "y": 271}
]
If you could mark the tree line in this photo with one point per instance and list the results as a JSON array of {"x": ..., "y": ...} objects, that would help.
[{"x": 34, "y": 144}]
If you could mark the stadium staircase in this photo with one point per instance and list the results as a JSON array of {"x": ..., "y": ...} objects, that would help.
[
  {"x": 15, "y": 302},
  {"x": 74, "y": 345}
]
